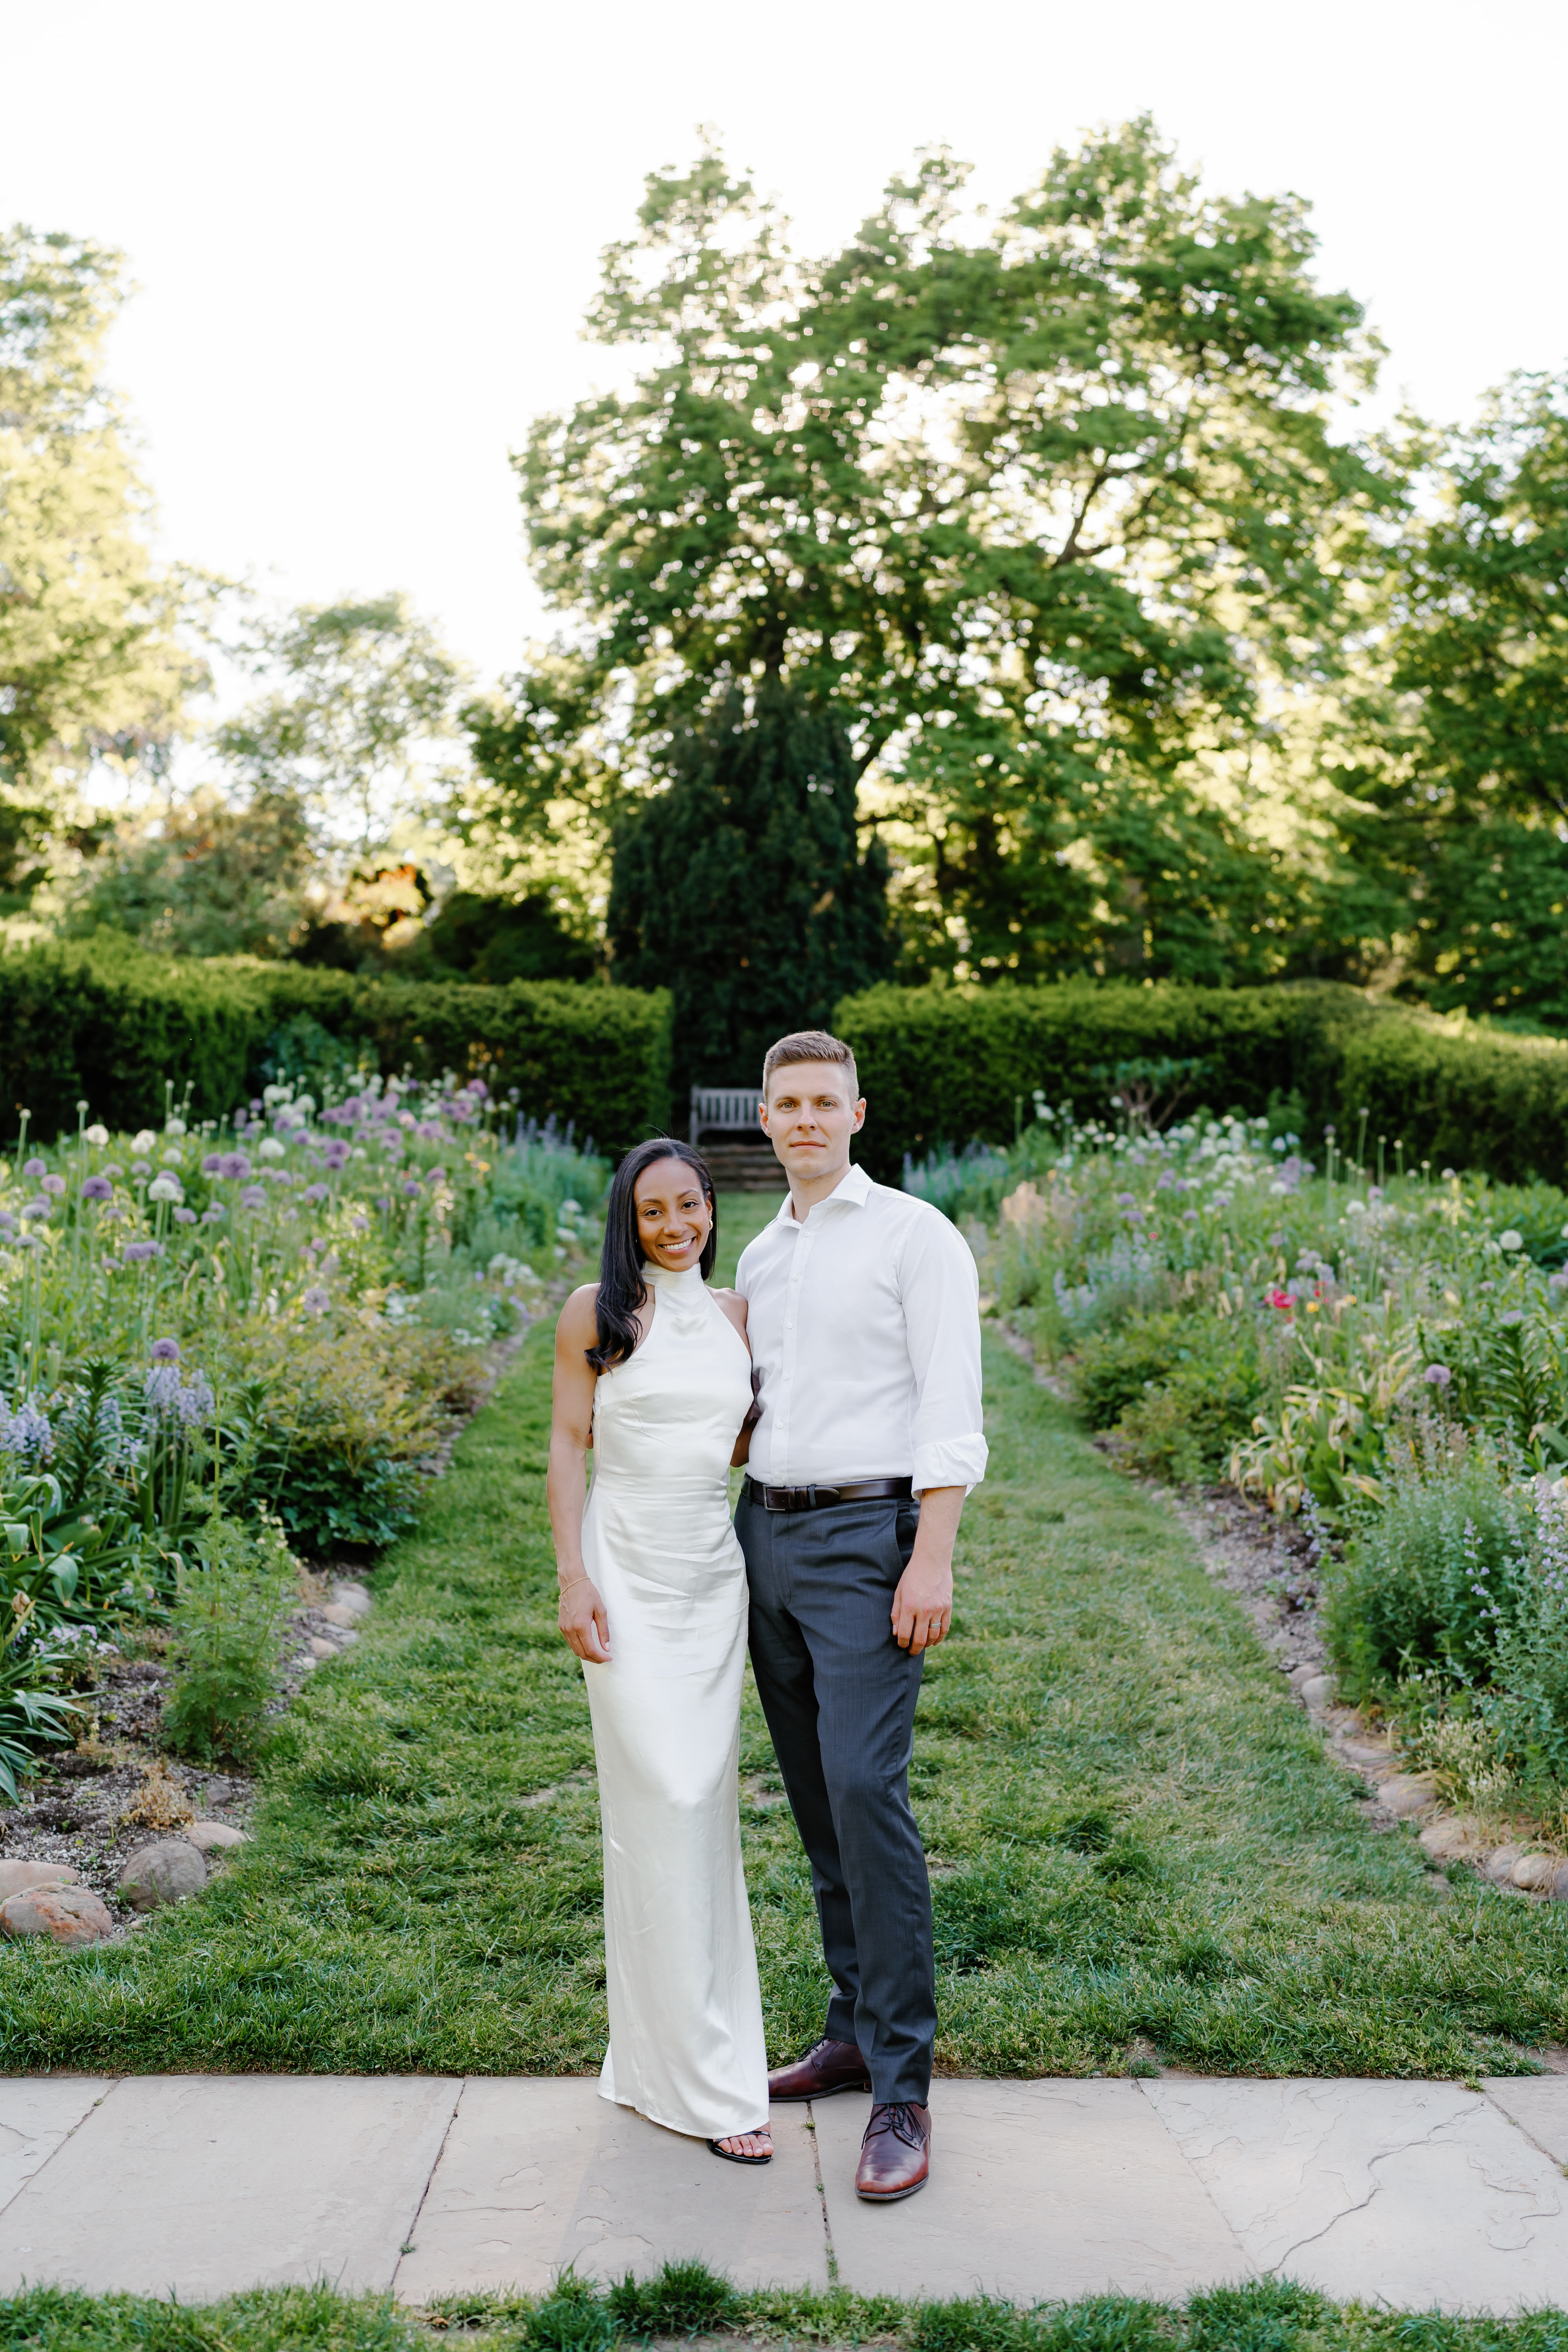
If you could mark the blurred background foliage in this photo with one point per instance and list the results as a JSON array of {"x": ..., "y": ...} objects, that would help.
[{"x": 1053, "y": 542}]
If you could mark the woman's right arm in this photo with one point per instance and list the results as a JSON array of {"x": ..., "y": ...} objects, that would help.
[{"x": 582, "y": 1620}]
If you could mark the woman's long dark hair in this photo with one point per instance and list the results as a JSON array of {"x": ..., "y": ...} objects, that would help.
[{"x": 622, "y": 1289}]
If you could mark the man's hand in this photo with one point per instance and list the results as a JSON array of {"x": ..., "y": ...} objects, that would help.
[{"x": 922, "y": 1605}]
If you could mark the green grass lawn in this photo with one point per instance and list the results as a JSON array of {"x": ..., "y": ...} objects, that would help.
[
  {"x": 1134, "y": 1833},
  {"x": 689, "y": 2303}
]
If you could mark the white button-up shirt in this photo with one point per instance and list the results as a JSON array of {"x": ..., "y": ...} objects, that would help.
[{"x": 864, "y": 1323}]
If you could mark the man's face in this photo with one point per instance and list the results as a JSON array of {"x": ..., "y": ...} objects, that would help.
[{"x": 810, "y": 1114}]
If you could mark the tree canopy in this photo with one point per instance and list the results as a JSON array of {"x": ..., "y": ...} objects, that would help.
[
  {"x": 1040, "y": 510},
  {"x": 742, "y": 887},
  {"x": 90, "y": 663}
]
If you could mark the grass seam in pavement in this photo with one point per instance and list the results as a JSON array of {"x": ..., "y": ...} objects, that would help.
[{"x": 687, "y": 2302}]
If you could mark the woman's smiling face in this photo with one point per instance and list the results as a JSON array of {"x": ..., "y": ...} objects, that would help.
[{"x": 673, "y": 1218}]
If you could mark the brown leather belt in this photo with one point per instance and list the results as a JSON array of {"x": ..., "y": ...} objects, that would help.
[{"x": 819, "y": 1498}]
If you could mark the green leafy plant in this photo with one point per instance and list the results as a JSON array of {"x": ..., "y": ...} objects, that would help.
[{"x": 235, "y": 1588}]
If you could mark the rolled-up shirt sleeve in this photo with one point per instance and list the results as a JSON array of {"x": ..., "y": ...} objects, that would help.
[{"x": 940, "y": 1287}]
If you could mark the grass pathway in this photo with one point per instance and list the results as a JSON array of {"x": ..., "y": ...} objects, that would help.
[{"x": 1134, "y": 1836}]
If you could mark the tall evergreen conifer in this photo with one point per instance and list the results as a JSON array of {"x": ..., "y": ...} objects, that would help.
[{"x": 742, "y": 887}]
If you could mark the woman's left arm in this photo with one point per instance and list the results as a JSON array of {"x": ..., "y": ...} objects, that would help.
[{"x": 731, "y": 1304}]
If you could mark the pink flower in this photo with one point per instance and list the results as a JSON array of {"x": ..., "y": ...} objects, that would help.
[{"x": 1280, "y": 1299}]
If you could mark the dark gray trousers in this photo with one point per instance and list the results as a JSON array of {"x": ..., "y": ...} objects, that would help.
[{"x": 840, "y": 1696}]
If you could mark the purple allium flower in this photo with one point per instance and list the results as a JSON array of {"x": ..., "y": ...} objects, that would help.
[
  {"x": 26, "y": 1430},
  {"x": 96, "y": 1188},
  {"x": 212, "y": 1164},
  {"x": 253, "y": 1197},
  {"x": 359, "y": 1222},
  {"x": 138, "y": 1253},
  {"x": 7, "y": 1222},
  {"x": 33, "y": 1168},
  {"x": 411, "y": 1188},
  {"x": 1437, "y": 1376},
  {"x": 52, "y": 1185},
  {"x": 184, "y": 1216},
  {"x": 165, "y": 1351},
  {"x": 384, "y": 1204},
  {"x": 316, "y": 1193},
  {"x": 316, "y": 1300},
  {"x": 112, "y": 1168},
  {"x": 235, "y": 1164},
  {"x": 336, "y": 1155},
  {"x": 213, "y": 1216},
  {"x": 41, "y": 1209}
]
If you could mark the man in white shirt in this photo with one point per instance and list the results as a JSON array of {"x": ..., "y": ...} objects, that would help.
[{"x": 863, "y": 1317}]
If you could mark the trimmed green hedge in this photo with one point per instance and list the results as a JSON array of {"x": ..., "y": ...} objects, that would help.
[
  {"x": 108, "y": 1026},
  {"x": 943, "y": 1065}
]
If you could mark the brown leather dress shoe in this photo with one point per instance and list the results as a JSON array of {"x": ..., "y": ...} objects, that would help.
[
  {"x": 895, "y": 2155},
  {"x": 827, "y": 2067}
]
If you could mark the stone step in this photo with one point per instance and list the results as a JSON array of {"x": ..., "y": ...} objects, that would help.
[{"x": 743, "y": 1168}]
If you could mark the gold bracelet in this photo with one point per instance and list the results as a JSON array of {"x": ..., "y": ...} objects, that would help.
[{"x": 564, "y": 1589}]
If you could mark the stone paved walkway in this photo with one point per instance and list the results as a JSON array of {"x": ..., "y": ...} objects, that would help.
[{"x": 1408, "y": 2193}]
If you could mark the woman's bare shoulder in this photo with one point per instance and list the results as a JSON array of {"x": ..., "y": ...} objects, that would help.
[
  {"x": 579, "y": 1319},
  {"x": 733, "y": 1305}
]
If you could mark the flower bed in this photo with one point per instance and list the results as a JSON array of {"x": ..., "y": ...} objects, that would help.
[
  {"x": 1383, "y": 1352},
  {"x": 220, "y": 1342}
]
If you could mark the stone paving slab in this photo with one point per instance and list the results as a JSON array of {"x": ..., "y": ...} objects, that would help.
[
  {"x": 37, "y": 2115},
  {"x": 1412, "y": 2194},
  {"x": 198, "y": 2185},
  {"x": 539, "y": 2173},
  {"x": 1539, "y": 2104},
  {"x": 1038, "y": 2190}
]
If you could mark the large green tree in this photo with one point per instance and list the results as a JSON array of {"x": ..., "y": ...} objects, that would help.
[
  {"x": 356, "y": 717},
  {"x": 1040, "y": 510},
  {"x": 92, "y": 665},
  {"x": 742, "y": 885},
  {"x": 1456, "y": 819}
]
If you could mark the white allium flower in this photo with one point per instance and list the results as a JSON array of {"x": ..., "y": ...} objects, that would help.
[
  {"x": 1510, "y": 1240},
  {"x": 165, "y": 1188},
  {"x": 142, "y": 1142},
  {"x": 98, "y": 1135},
  {"x": 173, "y": 1127},
  {"x": 270, "y": 1150}
]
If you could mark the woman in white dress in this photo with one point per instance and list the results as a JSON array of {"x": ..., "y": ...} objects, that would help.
[{"x": 653, "y": 1372}]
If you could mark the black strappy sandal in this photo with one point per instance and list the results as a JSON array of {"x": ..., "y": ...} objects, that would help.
[{"x": 730, "y": 2157}]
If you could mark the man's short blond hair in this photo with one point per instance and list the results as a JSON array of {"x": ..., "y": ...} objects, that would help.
[{"x": 810, "y": 1046}]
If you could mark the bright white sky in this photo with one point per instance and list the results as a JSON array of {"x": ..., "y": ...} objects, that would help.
[{"x": 365, "y": 235}]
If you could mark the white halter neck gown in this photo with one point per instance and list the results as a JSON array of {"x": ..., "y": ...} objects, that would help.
[{"x": 686, "y": 2020}]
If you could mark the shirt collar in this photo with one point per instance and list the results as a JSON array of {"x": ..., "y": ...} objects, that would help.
[{"x": 855, "y": 1189}]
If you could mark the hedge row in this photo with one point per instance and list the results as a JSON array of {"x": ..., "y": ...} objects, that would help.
[
  {"x": 110, "y": 1026},
  {"x": 943, "y": 1065}
]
